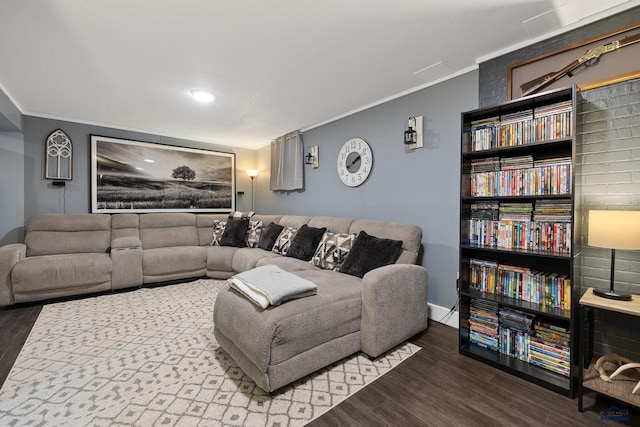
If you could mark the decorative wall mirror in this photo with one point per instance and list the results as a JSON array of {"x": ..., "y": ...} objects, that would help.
[{"x": 59, "y": 155}]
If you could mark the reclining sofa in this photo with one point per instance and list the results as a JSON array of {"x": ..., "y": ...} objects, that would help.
[{"x": 73, "y": 254}]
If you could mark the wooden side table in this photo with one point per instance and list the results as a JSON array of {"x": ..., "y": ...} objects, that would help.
[{"x": 620, "y": 388}]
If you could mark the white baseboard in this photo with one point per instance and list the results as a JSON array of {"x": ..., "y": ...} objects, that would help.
[{"x": 439, "y": 313}]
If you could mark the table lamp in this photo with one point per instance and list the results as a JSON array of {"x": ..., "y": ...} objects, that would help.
[{"x": 614, "y": 230}]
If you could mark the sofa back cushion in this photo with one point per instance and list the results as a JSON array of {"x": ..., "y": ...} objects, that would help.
[
  {"x": 160, "y": 230},
  {"x": 125, "y": 225},
  {"x": 205, "y": 224},
  {"x": 410, "y": 234},
  {"x": 332, "y": 224},
  {"x": 50, "y": 234},
  {"x": 294, "y": 221}
]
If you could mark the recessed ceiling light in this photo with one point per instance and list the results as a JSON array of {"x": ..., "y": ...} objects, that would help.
[
  {"x": 149, "y": 160},
  {"x": 139, "y": 168},
  {"x": 202, "y": 95}
]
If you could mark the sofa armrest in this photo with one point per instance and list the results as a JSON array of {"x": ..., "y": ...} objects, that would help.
[
  {"x": 126, "y": 259},
  {"x": 9, "y": 256},
  {"x": 394, "y": 306}
]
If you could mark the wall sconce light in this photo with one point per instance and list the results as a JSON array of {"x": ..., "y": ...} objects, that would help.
[
  {"x": 614, "y": 230},
  {"x": 252, "y": 174},
  {"x": 312, "y": 157},
  {"x": 59, "y": 156},
  {"x": 413, "y": 134}
]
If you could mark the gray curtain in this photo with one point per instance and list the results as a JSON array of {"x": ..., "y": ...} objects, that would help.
[{"x": 287, "y": 162}]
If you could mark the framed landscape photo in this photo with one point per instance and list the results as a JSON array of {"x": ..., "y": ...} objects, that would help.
[{"x": 134, "y": 176}]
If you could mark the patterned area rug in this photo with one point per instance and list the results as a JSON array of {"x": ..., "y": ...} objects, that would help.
[{"x": 149, "y": 357}]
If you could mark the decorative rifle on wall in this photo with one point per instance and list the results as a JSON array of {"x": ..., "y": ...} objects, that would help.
[{"x": 588, "y": 59}]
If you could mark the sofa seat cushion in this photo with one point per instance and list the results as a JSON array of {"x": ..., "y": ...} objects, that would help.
[
  {"x": 42, "y": 273},
  {"x": 175, "y": 261},
  {"x": 247, "y": 258},
  {"x": 272, "y": 336},
  {"x": 220, "y": 258},
  {"x": 287, "y": 263}
]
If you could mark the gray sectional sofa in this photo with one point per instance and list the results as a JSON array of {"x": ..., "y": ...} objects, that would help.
[{"x": 72, "y": 254}]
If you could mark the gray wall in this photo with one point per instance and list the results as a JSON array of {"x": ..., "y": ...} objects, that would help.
[
  {"x": 24, "y": 191},
  {"x": 11, "y": 172},
  {"x": 420, "y": 187},
  {"x": 10, "y": 116},
  {"x": 40, "y": 196},
  {"x": 11, "y": 187}
]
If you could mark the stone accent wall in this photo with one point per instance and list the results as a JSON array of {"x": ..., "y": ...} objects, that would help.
[{"x": 607, "y": 175}]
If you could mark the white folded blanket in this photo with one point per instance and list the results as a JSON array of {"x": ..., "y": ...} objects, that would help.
[{"x": 271, "y": 285}]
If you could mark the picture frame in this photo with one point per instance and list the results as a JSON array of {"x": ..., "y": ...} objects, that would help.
[
  {"x": 612, "y": 67},
  {"x": 137, "y": 177}
]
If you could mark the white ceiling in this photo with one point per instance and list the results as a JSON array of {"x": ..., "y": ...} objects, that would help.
[{"x": 274, "y": 66}]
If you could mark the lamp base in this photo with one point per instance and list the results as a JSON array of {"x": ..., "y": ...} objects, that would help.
[{"x": 612, "y": 295}]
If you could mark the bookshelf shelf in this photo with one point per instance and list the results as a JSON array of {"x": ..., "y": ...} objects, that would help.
[
  {"x": 516, "y": 191},
  {"x": 545, "y": 147},
  {"x": 518, "y": 368},
  {"x": 527, "y": 197},
  {"x": 563, "y": 315},
  {"x": 527, "y": 252}
]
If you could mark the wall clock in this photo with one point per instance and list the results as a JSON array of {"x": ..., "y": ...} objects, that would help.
[{"x": 355, "y": 161}]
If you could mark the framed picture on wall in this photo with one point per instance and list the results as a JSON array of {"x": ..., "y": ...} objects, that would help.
[
  {"x": 135, "y": 176},
  {"x": 613, "y": 59}
]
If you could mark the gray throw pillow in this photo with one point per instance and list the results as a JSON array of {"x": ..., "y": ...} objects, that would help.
[{"x": 370, "y": 252}]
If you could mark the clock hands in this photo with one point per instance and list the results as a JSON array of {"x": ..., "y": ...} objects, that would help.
[{"x": 354, "y": 161}]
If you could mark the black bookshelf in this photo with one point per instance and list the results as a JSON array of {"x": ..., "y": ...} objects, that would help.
[{"x": 504, "y": 146}]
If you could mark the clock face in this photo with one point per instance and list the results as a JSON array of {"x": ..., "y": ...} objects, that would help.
[{"x": 355, "y": 161}]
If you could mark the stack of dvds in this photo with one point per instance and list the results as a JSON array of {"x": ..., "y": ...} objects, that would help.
[
  {"x": 520, "y": 211},
  {"x": 488, "y": 164},
  {"x": 515, "y": 330},
  {"x": 484, "y": 133},
  {"x": 553, "y": 121},
  {"x": 520, "y": 162},
  {"x": 552, "y": 210},
  {"x": 483, "y": 323},
  {"x": 483, "y": 176},
  {"x": 516, "y": 129},
  {"x": 552, "y": 176},
  {"x": 483, "y": 275},
  {"x": 549, "y": 348},
  {"x": 485, "y": 210}
]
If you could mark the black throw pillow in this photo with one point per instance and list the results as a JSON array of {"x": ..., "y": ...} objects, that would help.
[
  {"x": 235, "y": 232},
  {"x": 305, "y": 242},
  {"x": 370, "y": 252},
  {"x": 269, "y": 236}
]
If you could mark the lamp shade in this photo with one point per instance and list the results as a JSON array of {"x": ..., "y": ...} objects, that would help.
[
  {"x": 252, "y": 172},
  {"x": 614, "y": 229}
]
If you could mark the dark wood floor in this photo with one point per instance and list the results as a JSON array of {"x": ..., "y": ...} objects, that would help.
[
  {"x": 15, "y": 325},
  {"x": 435, "y": 387}
]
